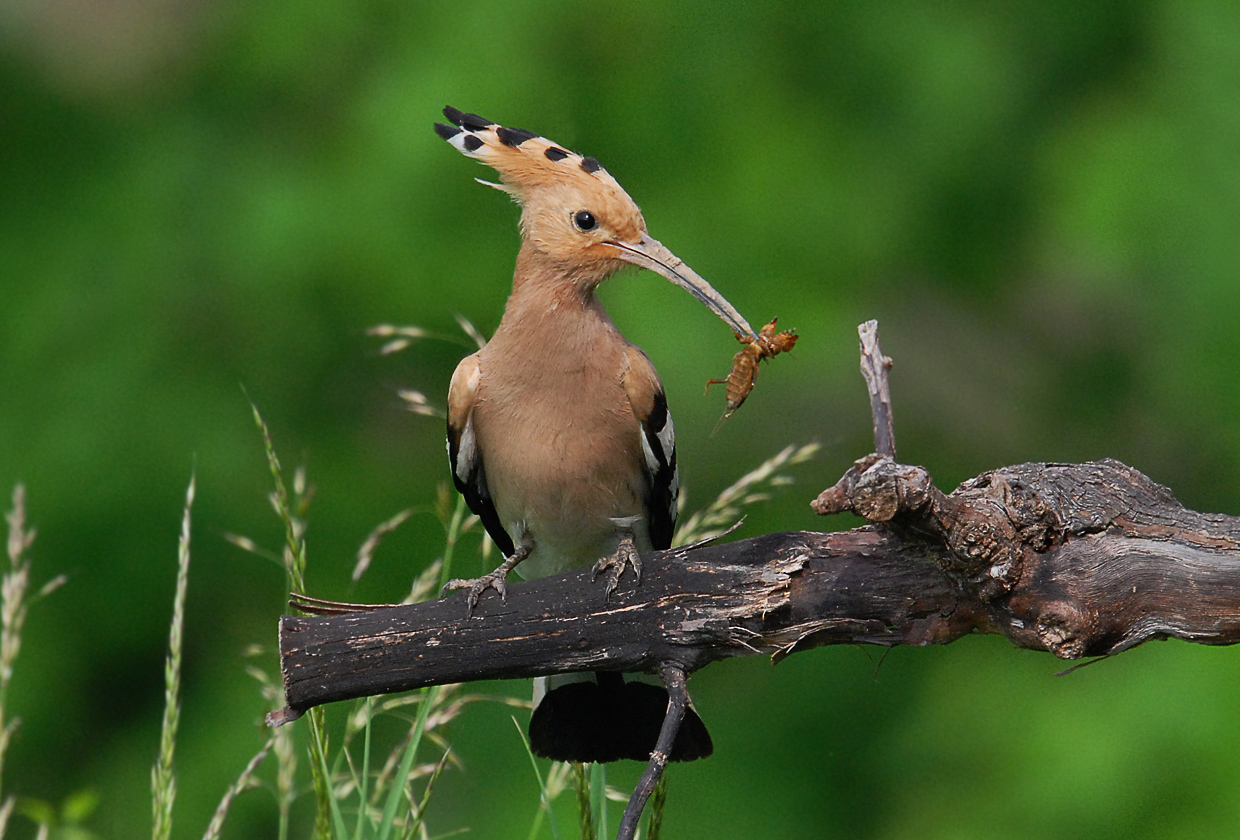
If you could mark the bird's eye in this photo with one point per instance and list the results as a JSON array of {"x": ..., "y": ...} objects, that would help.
[{"x": 584, "y": 220}]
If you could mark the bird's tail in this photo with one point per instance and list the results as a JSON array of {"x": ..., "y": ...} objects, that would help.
[{"x": 608, "y": 719}]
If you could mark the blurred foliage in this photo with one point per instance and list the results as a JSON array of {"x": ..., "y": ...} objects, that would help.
[{"x": 1038, "y": 201}]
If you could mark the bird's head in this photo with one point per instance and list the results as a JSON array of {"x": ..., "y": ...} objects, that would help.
[{"x": 573, "y": 212}]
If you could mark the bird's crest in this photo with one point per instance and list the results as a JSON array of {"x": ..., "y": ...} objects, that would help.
[
  {"x": 523, "y": 159},
  {"x": 580, "y": 223}
]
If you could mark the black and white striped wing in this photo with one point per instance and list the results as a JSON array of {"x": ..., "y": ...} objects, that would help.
[
  {"x": 468, "y": 469},
  {"x": 659, "y": 447},
  {"x": 658, "y": 438}
]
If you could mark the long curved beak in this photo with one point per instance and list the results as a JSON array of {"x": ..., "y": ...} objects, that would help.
[{"x": 650, "y": 253}]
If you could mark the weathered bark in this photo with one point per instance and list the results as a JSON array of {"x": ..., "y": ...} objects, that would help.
[{"x": 1080, "y": 560}]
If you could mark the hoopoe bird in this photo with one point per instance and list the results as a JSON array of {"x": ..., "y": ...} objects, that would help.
[{"x": 559, "y": 435}]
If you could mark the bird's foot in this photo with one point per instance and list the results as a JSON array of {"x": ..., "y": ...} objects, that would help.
[
  {"x": 624, "y": 555},
  {"x": 496, "y": 580}
]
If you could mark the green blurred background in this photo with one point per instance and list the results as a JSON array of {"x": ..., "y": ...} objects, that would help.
[{"x": 1039, "y": 201}]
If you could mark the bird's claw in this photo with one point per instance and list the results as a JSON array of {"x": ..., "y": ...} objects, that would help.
[
  {"x": 624, "y": 555},
  {"x": 495, "y": 580}
]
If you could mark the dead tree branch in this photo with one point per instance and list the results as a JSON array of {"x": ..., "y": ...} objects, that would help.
[
  {"x": 874, "y": 368},
  {"x": 1078, "y": 559}
]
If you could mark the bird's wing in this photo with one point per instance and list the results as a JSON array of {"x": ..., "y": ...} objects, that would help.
[
  {"x": 468, "y": 471},
  {"x": 658, "y": 436}
]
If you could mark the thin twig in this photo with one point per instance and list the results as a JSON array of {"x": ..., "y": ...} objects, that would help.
[
  {"x": 678, "y": 700},
  {"x": 874, "y": 367}
]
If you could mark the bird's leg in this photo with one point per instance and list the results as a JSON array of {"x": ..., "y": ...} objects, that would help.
[
  {"x": 624, "y": 555},
  {"x": 496, "y": 580}
]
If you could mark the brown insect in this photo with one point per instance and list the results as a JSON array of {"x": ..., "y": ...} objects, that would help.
[{"x": 744, "y": 371}]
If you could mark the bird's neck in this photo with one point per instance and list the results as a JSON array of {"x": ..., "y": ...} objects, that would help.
[
  {"x": 551, "y": 304},
  {"x": 536, "y": 268}
]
